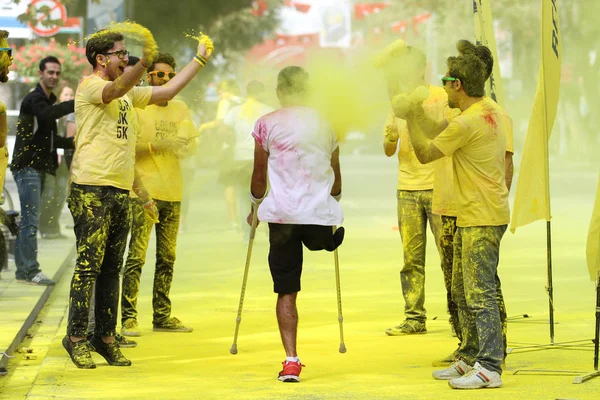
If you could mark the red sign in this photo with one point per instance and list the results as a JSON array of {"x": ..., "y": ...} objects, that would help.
[
  {"x": 361, "y": 10},
  {"x": 56, "y": 11},
  {"x": 259, "y": 8},
  {"x": 299, "y": 6}
]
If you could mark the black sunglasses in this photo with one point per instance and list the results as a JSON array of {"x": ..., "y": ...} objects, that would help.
[
  {"x": 7, "y": 49},
  {"x": 119, "y": 53}
]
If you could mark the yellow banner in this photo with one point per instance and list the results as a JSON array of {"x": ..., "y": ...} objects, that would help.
[
  {"x": 532, "y": 198},
  {"x": 484, "y": 34},
  {"x": 593, "y": 241}
]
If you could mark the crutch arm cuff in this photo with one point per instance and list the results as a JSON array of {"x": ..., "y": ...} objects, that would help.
[{"x": 256, "y": 201}]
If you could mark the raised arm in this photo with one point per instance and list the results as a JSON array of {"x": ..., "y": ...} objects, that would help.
[
  {"x": 124, "y": 83},
  {"x": 430, "y": 128},
  {"x": 425, "y": 150},
  {"x": 174, "y": 86}
]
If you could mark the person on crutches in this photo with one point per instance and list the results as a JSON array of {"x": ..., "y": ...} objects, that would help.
[{"x": 299, "y": 149}]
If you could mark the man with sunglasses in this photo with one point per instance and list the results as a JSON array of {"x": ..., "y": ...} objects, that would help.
[
  {"x": 158, "y": 166},
  {"x": 34, "y": 156},
  {"x": 444, "y": 202},
  {"x": 102, "y": 175},
  {"x": 476, "y": 140}
]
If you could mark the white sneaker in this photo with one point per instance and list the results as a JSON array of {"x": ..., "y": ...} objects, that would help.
[
  {"x": 477, "y": 378},
  {"x": 455, "y": 370},
  {"x": 41, "y": 280}
]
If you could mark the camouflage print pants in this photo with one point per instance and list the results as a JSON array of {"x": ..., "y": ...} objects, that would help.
[
  {"x": 166, "y": 244},
  {"x": 102, "y": 219},
  {"x": 475, "y": 290},
  {"x": 447, "y": 234},
  {"x": 414, "y": 210}
]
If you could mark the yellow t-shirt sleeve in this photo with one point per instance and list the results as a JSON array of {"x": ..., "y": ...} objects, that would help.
[
  {"x": 451, "y": 139},
  {"x": 140, "y": 96},
  {"x": 91, "y": 90}
]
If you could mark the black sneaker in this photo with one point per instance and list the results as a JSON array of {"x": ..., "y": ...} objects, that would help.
[
  {"x": 110, "y": 351},
  {"x": 79, "y": 353}
]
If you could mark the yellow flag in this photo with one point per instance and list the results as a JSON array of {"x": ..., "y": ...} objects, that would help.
[
  {"x": 593, "y": 242},
  {"x": 532, "y": 198},
  {"x": 484, "y": 34}
]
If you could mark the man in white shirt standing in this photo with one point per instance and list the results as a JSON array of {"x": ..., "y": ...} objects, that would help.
[{"x": 299, "y": 150}]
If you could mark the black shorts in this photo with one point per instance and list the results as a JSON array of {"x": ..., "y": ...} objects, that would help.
[{"x": 285, "y": 253}]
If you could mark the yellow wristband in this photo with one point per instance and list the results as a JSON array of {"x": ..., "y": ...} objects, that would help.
[
  {"x": 150, "y": 149},
  {"x": 204, "y": 60},
  {"x": 199, "y": 62}
]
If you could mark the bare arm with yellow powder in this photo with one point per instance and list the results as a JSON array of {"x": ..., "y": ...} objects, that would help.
[
  {"x": 174, "y": 86},
  {"x": 425, "y": 150},
  {"x": 123, "y": 84},
  {"x": 430, "y": 128}
]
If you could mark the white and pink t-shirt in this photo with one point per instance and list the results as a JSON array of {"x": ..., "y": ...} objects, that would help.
[{"x": 300, "y": 143}]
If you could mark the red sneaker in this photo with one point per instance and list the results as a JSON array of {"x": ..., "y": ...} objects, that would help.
[{"x": 291, "y": 371}]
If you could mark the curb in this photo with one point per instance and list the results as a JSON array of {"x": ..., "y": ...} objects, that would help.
[{"x": 30, "y": 320}]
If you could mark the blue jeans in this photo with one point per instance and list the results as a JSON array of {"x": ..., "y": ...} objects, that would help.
[{"x": 29, "y": 184}]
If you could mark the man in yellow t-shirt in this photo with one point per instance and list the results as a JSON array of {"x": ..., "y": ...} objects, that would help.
[
  {"x": 102, "y": 175},
  {"x": 476, "y": 141},
  {"x": 415, "y": 192},
  {"x": 157, "y": 165},
  {"x": 444, "y": 205}
]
